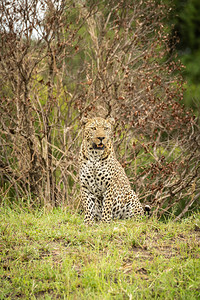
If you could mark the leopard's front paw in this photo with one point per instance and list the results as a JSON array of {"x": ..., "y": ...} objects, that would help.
[
  {"x": 106, "y": 219},
  {"x": 88, "y": 221}
]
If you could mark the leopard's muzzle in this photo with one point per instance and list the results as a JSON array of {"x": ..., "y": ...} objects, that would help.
[{"x": 99, "y": 146}]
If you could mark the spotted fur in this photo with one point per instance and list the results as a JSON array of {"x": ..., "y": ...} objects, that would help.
[{"x": 105, "y": 189}]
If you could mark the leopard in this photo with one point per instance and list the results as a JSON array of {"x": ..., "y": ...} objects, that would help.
[{"x": 105, "y": 189}]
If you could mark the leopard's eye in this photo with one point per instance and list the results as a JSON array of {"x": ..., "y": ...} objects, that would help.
[{"x": 106, "y": 128}]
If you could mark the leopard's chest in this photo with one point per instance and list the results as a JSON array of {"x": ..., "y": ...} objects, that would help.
[{"x": 96, "y": 175}]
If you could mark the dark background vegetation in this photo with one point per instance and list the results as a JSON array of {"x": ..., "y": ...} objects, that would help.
[
  {"x": 186, "y": 18},
  {"x": 62, "y": 60}
]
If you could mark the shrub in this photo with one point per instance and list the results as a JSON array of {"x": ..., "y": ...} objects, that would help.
[{"x": 63, "y": 60}]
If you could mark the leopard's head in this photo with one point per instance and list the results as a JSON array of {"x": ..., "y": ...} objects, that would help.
[{"x": 97, "y": 132}]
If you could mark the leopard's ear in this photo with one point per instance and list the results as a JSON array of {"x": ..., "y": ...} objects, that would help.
[
  {"x": 111, "y": 121},
  {"x": 84, "y": 120}
]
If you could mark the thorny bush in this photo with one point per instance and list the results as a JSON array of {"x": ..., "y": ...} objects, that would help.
[{"x": 60, "y": 60}]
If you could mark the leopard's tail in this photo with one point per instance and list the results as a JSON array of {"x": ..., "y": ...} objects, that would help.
[{"x": 147, "y": 210}]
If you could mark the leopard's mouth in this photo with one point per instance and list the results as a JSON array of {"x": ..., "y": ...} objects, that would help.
[{"x": 98, "y": 146}]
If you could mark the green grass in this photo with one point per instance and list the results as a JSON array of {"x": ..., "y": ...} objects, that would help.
[{"x": 55, "y": 256}]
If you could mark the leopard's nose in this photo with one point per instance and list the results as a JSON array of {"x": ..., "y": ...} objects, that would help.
[{"x": 101, "y": 138}]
